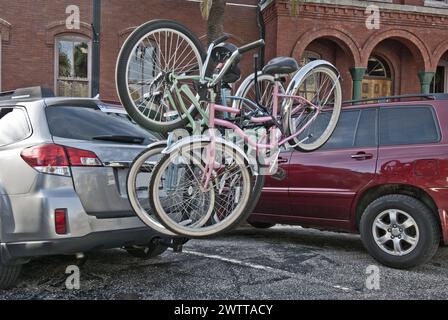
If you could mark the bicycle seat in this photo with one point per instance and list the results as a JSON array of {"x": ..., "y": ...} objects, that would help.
[{"x": 281, "y": 65}]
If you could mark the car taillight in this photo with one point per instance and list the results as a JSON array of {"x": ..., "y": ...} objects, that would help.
[
  {"x": 56, "y": 159},
  {"x": 48, "y": 158},
  {"x": 60, "y": 221},
  {"x": 82, "y": 158}
]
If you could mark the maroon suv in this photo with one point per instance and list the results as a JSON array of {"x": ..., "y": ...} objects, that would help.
[{"x": 383, "y": 174}]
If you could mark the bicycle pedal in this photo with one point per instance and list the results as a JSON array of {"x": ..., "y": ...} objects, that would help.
[{"x": 280, "y": 175}]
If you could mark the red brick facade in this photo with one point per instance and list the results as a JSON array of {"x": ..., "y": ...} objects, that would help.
[
  {"x": 410, "y": 41},
  {"x": 28, "y": 30}
]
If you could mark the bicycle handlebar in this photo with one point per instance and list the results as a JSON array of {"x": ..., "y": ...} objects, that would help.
[{"x": 251, "y": 46}]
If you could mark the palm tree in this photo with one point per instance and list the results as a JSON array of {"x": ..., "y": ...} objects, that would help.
[{"x": 213, "y": 11}]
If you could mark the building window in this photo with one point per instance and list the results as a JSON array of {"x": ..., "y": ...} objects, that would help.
[
  {"x": 309, "y": 88},
  {"x": 378, "y": 68},
  {"x": 143, "y": 68},
  {"x": 378, "y": 79},
  {"x": 73, "y": 67},
  {"x": 309, "y": 56},
  {"x": 436, "y": 3},
  {"x": 440, "y": 82}
]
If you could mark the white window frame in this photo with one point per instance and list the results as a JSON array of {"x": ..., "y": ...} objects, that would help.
[
  {"x": 56, "y": 59},
  {"x": 437, "y": 3}
]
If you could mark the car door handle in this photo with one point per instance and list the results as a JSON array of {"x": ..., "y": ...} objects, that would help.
[
  {"x": 282, "y": 160},
  {"x": 362, "y": 156}
]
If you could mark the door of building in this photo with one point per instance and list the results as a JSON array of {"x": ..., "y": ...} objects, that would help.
[{"x": 378, "y": 79}]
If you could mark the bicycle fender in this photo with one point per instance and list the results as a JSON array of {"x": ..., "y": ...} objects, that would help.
[
  {"x": 157, "y": 144},
  {"x": 304, "y": 70},
  {"x": 199, "y": 139}
]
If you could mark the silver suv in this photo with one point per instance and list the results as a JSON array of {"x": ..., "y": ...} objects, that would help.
[{"x": 63, "y": 169}]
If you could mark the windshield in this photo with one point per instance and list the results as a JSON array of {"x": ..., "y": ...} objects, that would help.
[{"x": 88, "y": 123}]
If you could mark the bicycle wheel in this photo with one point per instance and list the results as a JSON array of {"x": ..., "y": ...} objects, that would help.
[
  {"x": 137, "y": 184},
  {"x": 149, "y": 55},
  {"x": 247, "y": 90},
  {"x": 316, "y": 120},
  {"x": 182, "y": 204}
]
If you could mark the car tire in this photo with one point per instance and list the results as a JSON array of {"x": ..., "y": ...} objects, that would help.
[
  {"x": 148, "y": 251},
  {"x": 411, "y": 241},
  {"x": 9, "y": 274},
  {"x": 261, "y": 225}
]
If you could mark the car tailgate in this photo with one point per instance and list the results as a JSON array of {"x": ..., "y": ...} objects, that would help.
[{"x": 102, "y": 190}]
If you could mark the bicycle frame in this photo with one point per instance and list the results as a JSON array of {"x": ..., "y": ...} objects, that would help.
[
  {"x": 209, "y": 118},
  {"x": 274, "y": 144}
]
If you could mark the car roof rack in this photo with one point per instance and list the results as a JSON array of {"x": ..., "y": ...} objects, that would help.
[
  {"x": 27, "y": 94},
  {"x": 428, "y": 96}
]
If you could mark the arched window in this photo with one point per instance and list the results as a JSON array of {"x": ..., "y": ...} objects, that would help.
[
  {"x": 378, "y": 68},
  {"x": 309, "y": 56},
  {"x": 308, "y": 89},
  {"x": 378, "y": 79},
  {"x": 73, "y": 66}
]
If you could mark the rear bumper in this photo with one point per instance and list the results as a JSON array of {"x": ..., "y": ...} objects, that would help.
[
  {"x": 27, "y": 224},
  {"x": 21, "y": 251}
]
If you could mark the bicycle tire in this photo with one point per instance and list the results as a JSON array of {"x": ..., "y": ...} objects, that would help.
[
  {"x": 237, "y": 216},
  {"x": 122, "y": 70},
  {"x": 288, "y": 125}
]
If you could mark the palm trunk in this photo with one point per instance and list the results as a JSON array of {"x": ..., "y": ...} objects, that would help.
[{"x": 215, "y": 23}]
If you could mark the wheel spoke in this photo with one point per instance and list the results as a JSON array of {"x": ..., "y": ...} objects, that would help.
[
  {"x": 383, "y": 239},
  {"x": 380, "y": 224},
  {"x": 411, "y": 240},
  {"x": 393, "y": 217},
  {"x": 407, "y": 224},
  {"x": 397, "y": 246}
]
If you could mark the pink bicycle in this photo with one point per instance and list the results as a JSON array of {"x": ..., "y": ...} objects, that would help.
[{"x": 204, "y": 184}]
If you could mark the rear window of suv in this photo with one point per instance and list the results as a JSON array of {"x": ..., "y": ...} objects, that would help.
[
  {"x": 86, "y": 123},
  {"x": 408, "y": 125}
]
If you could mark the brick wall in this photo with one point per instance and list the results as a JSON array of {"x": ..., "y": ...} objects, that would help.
[
  {"x": 410, "y": 41},
  {"x": 28, "y": 55},
  {"x": 119, "y": 17}
]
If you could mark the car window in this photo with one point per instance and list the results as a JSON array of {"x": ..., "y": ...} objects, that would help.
[
  {"x": 86, "y": 123},
  {"x": 408, "y": 125},
  {"x": 344, "y": 134},
  {"x": 14, "y": 126},
  {"x": 366, "y": 134}
]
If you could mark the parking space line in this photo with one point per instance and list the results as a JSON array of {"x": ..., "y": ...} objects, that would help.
[
  {"x": 238, "y": 262},
  {"x": 266, "y": 268}
]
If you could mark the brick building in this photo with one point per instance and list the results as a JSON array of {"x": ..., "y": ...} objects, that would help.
[{"x": 407, "y": 54}]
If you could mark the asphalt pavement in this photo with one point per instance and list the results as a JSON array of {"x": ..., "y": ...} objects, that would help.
[{"x": 279, "y": 263}]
